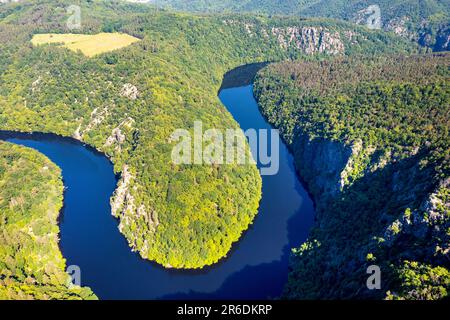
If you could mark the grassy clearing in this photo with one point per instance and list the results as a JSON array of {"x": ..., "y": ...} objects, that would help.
[{"x": 89, "y": 45}]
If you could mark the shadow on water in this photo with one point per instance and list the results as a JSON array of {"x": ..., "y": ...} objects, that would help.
[
  {"x": 256, "y": 268},
  {"x": 241, "y": 76}
]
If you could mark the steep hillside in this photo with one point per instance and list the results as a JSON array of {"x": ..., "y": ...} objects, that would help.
[
  {"x": 371, "y": 138},
  {"x": 426, "y": 22},
  {"x": 128, "y": 103}
]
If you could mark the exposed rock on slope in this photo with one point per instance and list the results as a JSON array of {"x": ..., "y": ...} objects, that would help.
[
  {"x": 130, "y": 91},
  {"x": 121, "y": 194},
  {"x": 118, "y": 137},
  {"x": 417, "y": 234},
  {"x": 97, "y": 117},
  {"x": 419, "y": 21},
  {"x": 125, "y": 207},
  {"x": 310, "y": 40},
  {"x": 321, "y": 163},
  {"x": 421, "y": 33},
  {"x": 443, "y": 39}
]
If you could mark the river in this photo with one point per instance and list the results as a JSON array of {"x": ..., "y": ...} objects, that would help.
[{"x": 257, "y": 266}]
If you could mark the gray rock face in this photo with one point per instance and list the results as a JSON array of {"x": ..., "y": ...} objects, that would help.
[
  {"x": 310, "y": 40},
  {"x": 399, "y": 27},
  {"x": 97, "y": 117},
  {"x": 321, "y": 162},
  {"x": 423, "y": 31},
  {"x": 121, "y": 194},
  {"x": 307, "y": 39},
  {"x": 130, "y": 91}
]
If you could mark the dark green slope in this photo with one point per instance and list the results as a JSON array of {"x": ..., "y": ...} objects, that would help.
[{"x": 180, "y": 216}]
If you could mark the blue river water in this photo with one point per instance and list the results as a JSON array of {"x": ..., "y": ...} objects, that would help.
[{"x": 257, "y": 266}]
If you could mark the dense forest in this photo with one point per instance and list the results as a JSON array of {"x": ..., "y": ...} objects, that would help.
[
  {"x": 426, "y": 22},
  {"x": 384, "y": 118},
  {"x": 31, "y": 265},
  {"x": 181, "y": 216},
  {"x": 370, "y": 135}
]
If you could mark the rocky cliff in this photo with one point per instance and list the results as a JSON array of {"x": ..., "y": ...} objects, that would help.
[
  {"x": 306, "y": 39},
  {"x": 321, "y": 163}
]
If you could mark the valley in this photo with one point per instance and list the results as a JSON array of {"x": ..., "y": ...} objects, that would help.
[
  {"x": 173, "y": 74},
  {"x": 363, "y": 117}
]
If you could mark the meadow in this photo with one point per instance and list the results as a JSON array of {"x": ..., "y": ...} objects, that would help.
[{"x": 89, "y": 45}]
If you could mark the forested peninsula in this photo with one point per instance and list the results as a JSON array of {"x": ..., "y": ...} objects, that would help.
[{"x": 31, "y": 264}]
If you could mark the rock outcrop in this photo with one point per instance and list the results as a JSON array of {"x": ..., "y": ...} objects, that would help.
[
  {"x": 375, "y": 205},
  {"x": 35, "y": 84},
  {"x": 97, "y": 117},
  {"x": 398, "y": 233},
  {"x": 118, "y": 137},
  {"x": 429, "y": 221},
  {"x": 423, "y": 31},
  {"x": 443, "y": 39},
  {"x": 309, "y": 40},
  {"x": 321, "y": 163},
  {"x": 129, "y": 91},
  {"x": 125, "y": 207}
]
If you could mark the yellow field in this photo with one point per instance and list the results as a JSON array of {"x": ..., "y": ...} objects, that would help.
[{"x": 89, "y": 45}]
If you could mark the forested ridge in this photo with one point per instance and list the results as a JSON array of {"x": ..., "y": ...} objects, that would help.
[
  {"x": 31, "y": 264},
  {"x": 382, "y": 194},
  {"x": 426, "y": 22}
]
